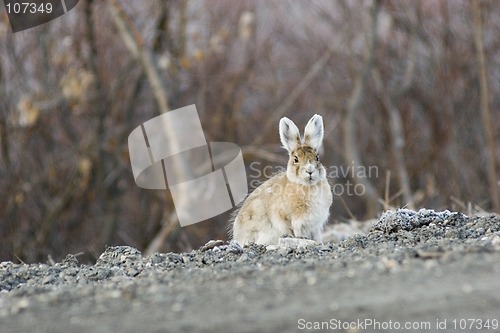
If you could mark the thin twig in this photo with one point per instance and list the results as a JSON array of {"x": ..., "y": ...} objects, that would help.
[
  {"x": 344, "y": 204},
  {"x": 387, "y": 184},
  {"x": 294, "y": 94}
]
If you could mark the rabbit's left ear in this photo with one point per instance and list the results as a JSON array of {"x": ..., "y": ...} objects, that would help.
[
  {"x": 289, "y": 134},
  {"x": 313, "y": 134}
]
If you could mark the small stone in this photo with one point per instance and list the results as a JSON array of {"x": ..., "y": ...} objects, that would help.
[
  {"x": 48, "y": 280},
  {"x": 4, "y": 264},
  {"x": 235, "y": 247},
  {"x": 133, "y": 272},
  {"x": 325, "y": 248},
  {"x": 296, "y": 242},
  {"x": 174, "y": 257},
  {"x": 211, "y": 244},
  {"x": 103, "y": 273},
  {"x": 156, "y": 258},
  {"x": 243, "y": 257},
  {"x": 284, "y": 250},
  {"x": 271, "y": 248},
  {"x": 70, "y": 261}
]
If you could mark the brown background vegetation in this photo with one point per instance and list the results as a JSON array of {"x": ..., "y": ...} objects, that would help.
[{"x": 411, "y": 87}]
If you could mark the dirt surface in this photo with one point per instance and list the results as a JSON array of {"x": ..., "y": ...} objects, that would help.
[{"x": 437, "y": 272}]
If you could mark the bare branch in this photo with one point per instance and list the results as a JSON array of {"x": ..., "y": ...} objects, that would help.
[
  {"x": 353, "y": 109},
  {"x": 485, "y": 108},
  {"x": 397, "y": 139},
  {"x": 135, "y": 44}
]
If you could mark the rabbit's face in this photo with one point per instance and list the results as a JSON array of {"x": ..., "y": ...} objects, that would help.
[{"x": 304, "y": 166}]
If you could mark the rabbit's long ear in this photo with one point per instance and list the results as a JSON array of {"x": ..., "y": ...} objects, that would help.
[
  {"x": 313, "y": 134},
  {"x": 289, "y": 134}
]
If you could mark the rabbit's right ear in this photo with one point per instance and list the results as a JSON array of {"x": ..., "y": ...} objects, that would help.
[
  {"x": 289, "y": 134},
  {"x": 313, "y": 134}
]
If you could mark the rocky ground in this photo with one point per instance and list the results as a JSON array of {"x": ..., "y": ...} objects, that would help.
[{"x": 429, "y": 271}]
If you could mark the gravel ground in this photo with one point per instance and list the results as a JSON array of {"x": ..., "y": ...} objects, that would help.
[{"x": 435, "y": 271}]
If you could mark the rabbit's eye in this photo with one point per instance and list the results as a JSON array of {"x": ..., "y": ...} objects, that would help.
[
  {"x": 296, "y": 160},
  {"x": 317, "y": 158}
]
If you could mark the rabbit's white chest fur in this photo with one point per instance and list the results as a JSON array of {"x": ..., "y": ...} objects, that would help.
[{"x": 295, "y": 202}]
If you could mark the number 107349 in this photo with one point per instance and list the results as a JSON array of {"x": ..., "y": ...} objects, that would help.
[{"x": 28, "y": 8}]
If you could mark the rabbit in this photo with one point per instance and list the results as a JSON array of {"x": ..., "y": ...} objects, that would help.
[{"x": 295, "y": 202}]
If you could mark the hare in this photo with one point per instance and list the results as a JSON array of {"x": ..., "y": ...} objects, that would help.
[{"x": 295, "y": 202}]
